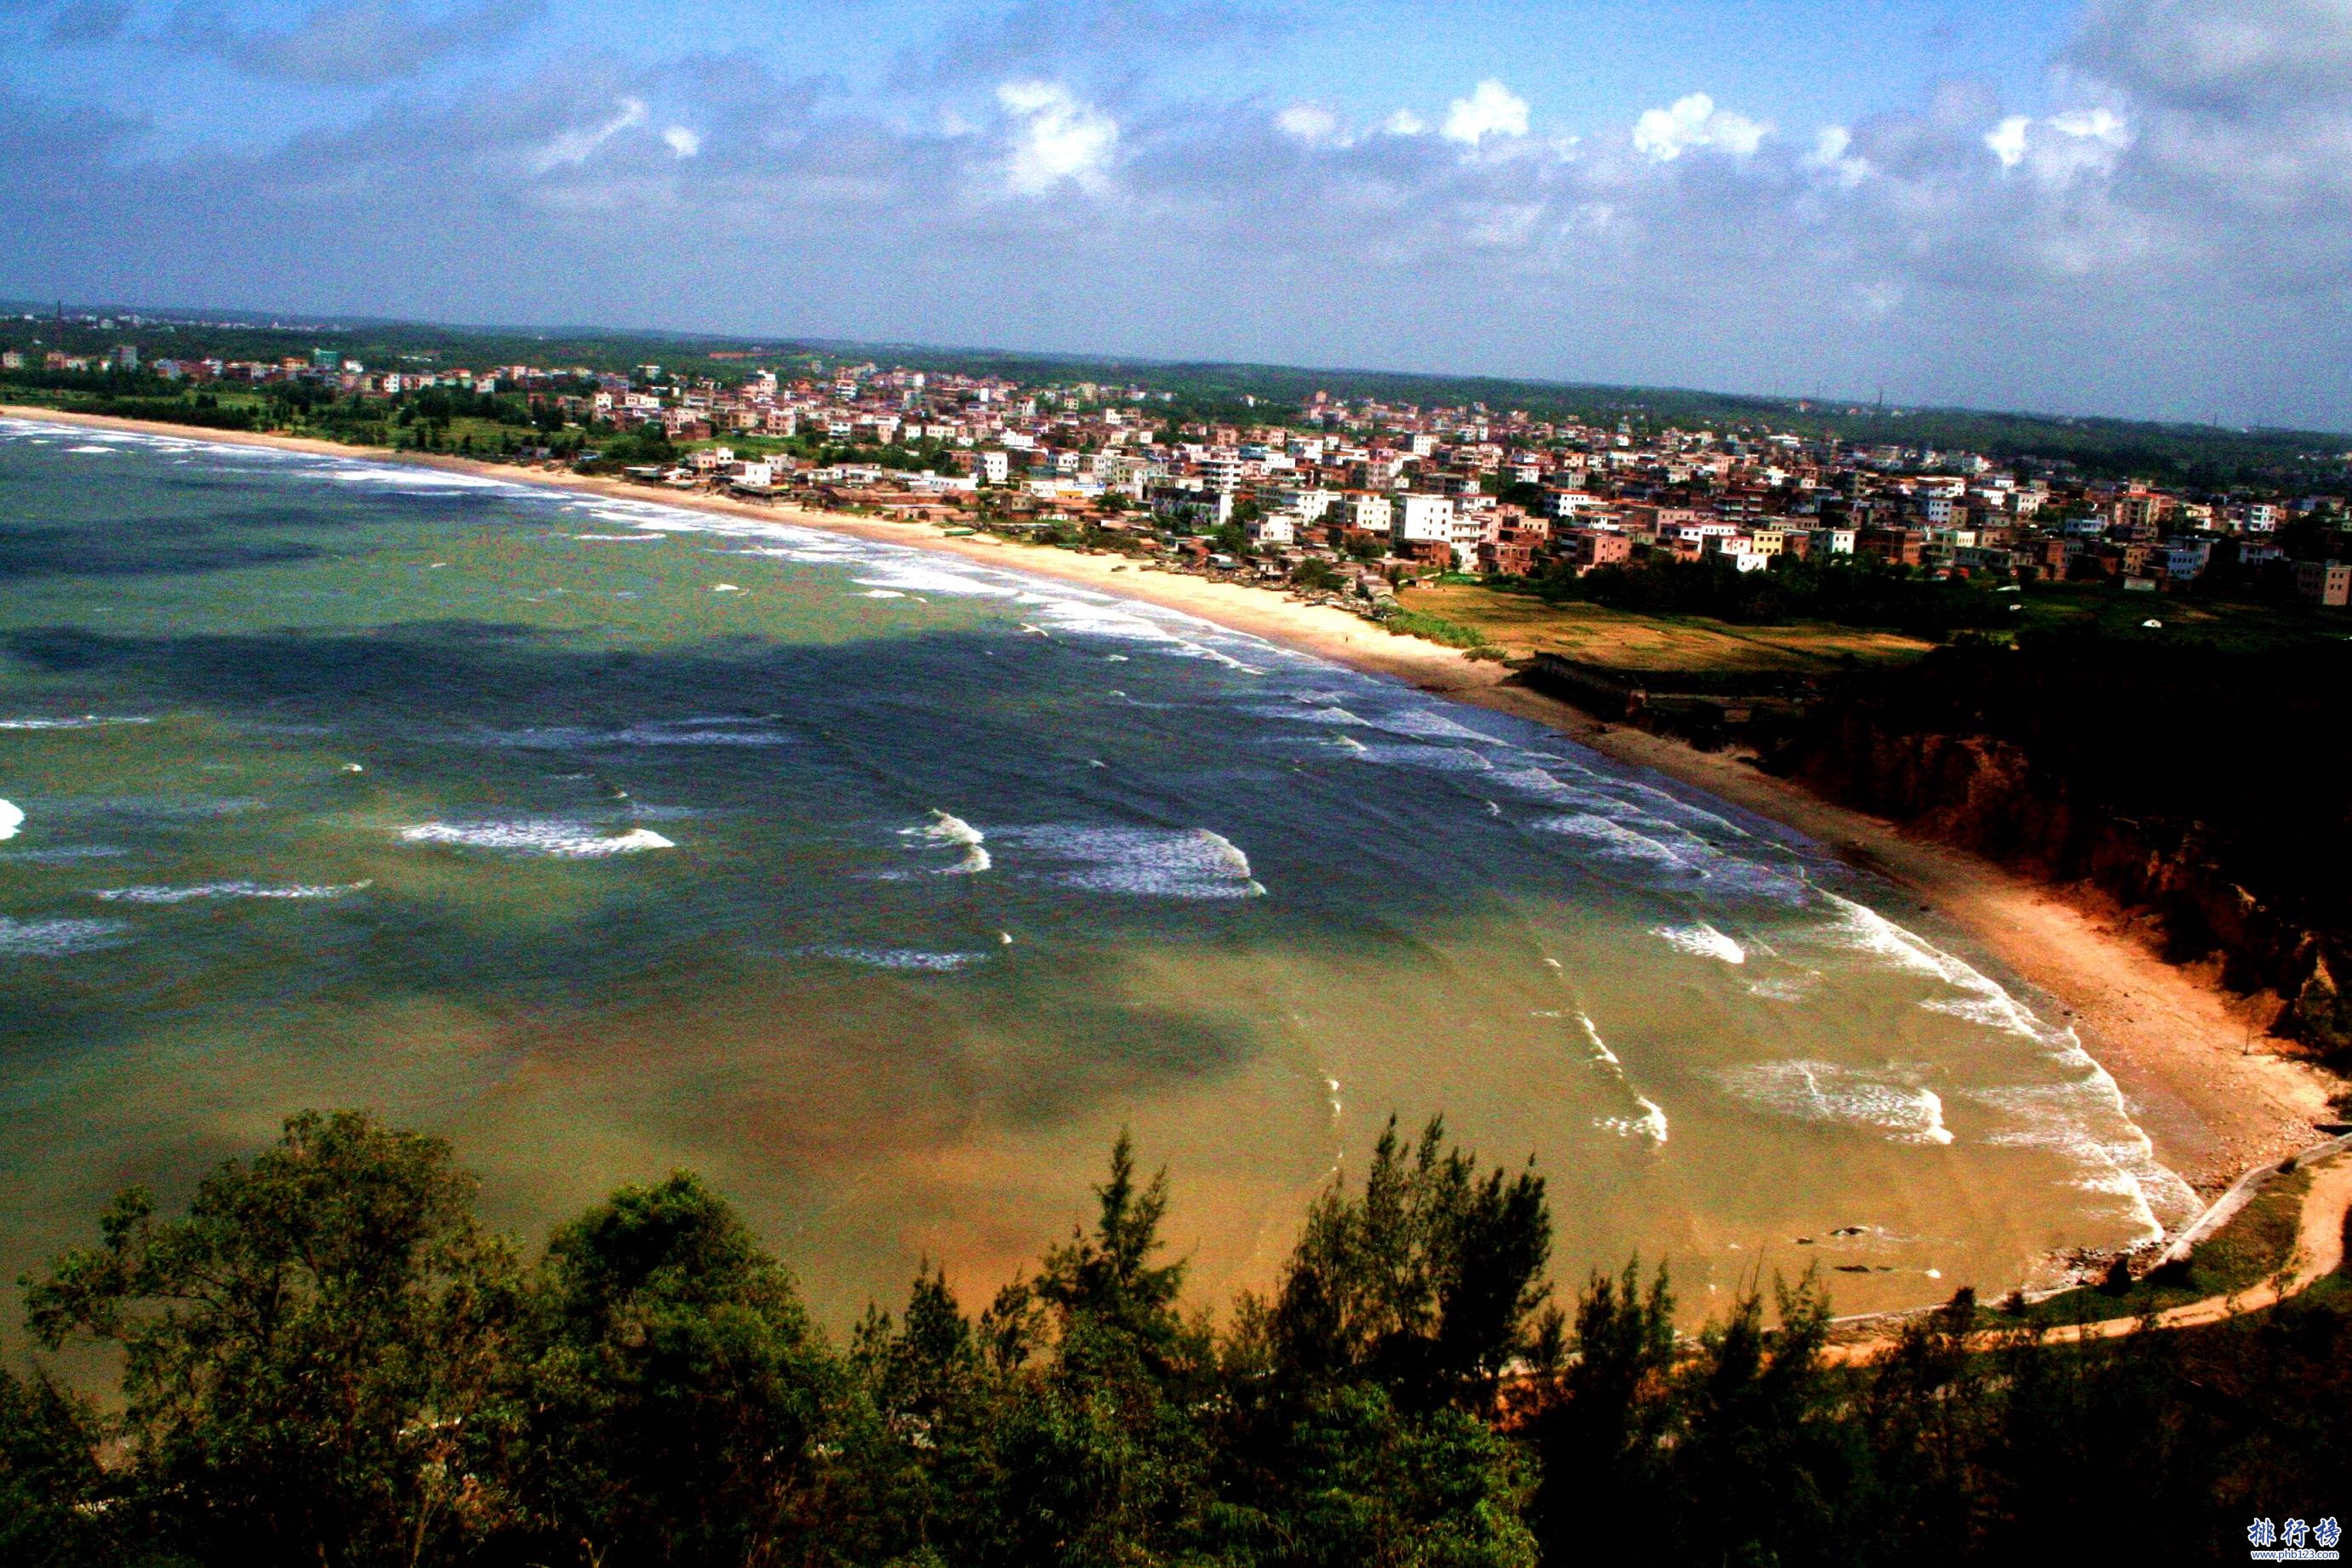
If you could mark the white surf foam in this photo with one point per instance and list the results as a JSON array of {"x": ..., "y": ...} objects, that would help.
[
  {"x": 2083, "y": 1115},
  {"x": 1405, "y": 754},
  {"x": 1613, "y": 840},
  {"x": 1701, "y": 940},
  {"x": 545, "y": 836},
  {"x": 82, "y": 721},
  {"x": 1305, "y": 708},
  {"x": 156, "y": 894},
  {"x": 910, "y": 577},
  {"x": 1158, "y": 863},
  {"x": 944, "y": 829},
  {"x": 1888, "y": 1099},
  {"x": 1425, "y": 723},
  {"x": 1644, "y": 1119},
  {"x": 56, "y": 938},
  {"x": 1647, "y": 1121},
  {"x": 403, "y": 479},
  {"x": 918, "y": 960},
  {"x": 2082, "y": 1122},
  {"x": 99, "y": 451},
  {"x": 12, "y": 819},
  {"x": 648, "y": 733}
]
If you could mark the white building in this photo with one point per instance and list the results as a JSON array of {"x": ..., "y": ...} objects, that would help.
[
  {"x": 1424, "y": 518},
  {"x": 1312, "y": 505},
  {"x": 1278, "y": 527},
  {"x": 1370, "y": 514}
]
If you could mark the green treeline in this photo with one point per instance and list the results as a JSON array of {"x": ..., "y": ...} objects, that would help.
[
  {"x": 1846, "y": 592},
  {"x": 327, "y": 1360}
]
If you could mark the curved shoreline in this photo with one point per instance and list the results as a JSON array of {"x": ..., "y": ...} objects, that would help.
[
  {"x": 2316, "y": 1252},
  {"x": 2182, "y": 1051}
]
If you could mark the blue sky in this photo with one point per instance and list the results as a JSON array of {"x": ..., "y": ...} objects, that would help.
[{"x": 2133, "y": 206}]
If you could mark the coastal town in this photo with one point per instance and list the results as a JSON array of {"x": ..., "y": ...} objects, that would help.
[{"x": 1339, "y": 497}]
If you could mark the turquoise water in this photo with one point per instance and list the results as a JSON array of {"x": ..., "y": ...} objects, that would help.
[{"x": 608, "y": 838}]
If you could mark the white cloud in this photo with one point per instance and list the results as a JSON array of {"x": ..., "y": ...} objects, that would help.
[
  {"x": 2086, "y": 142},
  {"x": 686, "y": 143},
  {"x": 1058, "y": 138},
  {"x": 1833, "y": 154},
  {"x": 1308, "y": 123},
  {"x": 2007, "y": 139},
  {"x": 2093, "y": 125},
  {"x": 574, "y": 146},
  {"x": 1404, "y": 123},
  {"x": 1694, "y": 121},
  {"x": 1491, "y": 109}
]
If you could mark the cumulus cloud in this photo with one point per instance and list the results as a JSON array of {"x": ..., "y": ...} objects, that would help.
[
  {"x": 1694, "y": 121},
  {"x": 1056, "y": 138},
  {"x": 2062, "y": 148},
  {"x": 682, "y": 141},
  {"x": 1491, "y": 109},
  {"x": 1404, "y": 123},
  {"x": 1833, "y": 154},
  {"x": 2007, "y": 139},
  {"x": 1309, "y": 122}
]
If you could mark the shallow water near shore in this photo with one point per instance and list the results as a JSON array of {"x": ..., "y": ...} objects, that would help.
[{"x": 607, "y": 838}]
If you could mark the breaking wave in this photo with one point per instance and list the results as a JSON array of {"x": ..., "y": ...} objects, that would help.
[
  {"x": 167, "y": 895},
  {"x": 1701, "y": 940},
  {"x": 1645, "y": 1119},
  {"x": 1888, "y": 1101},
  {"x": 545, "y": 836},
  {"x": 649, "y": 733},
  {"x": 81, "y": 721},
  {"x": 944, "y": 829},
  {"x": 1155, "y": 862},
  {"x": 917, "y": 959}
]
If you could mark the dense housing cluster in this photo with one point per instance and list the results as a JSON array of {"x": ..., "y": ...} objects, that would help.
[{"x": 1361, "y": 484}]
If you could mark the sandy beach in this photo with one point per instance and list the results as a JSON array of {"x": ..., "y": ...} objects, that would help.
[{"x": 2195, "y": 1064}]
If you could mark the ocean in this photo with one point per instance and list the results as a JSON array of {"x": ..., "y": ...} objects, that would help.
[{"x": 611, "y": 838}]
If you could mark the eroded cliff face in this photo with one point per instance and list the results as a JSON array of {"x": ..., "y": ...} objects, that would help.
[{"x": 1986, "y": 795}]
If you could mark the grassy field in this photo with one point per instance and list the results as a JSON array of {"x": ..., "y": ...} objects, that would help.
[
  {"x": 2121, "y": 617},
  {"x": 1595, "y": 635},
  {"x": 2256, "y": 1244}
]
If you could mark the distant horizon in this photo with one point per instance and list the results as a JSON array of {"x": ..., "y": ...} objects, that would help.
[{"x": 265, "y": 318}]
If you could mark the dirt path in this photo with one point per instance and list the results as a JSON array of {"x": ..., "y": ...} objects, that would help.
[{"x": 2318, "y": 1253}]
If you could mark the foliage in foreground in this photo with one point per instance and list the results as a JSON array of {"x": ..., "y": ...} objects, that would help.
[{"x": 327, "y": 1360}]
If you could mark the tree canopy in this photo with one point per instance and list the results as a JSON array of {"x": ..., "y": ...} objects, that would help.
[{"x": 326, "y": 1359}]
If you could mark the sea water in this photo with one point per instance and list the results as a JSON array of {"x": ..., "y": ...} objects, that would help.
[{"x": 607, "y": 838}]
